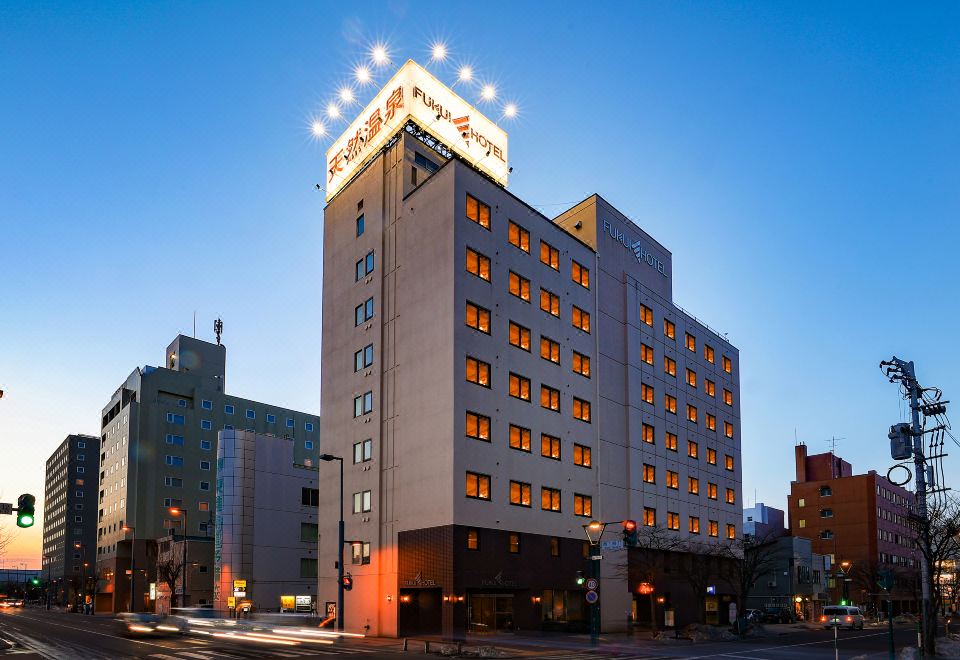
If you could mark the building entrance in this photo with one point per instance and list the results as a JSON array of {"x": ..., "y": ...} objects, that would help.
[
  {"x": 490, "y": 613},
  {"x": 420, "y": 612}
]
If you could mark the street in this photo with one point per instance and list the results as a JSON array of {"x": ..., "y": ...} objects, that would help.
[{"x": 36, "y": 633}]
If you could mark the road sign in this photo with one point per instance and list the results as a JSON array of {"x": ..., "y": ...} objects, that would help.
[
  {"x": 592, "y": 584},
  {"x": 615, "y": 544},
  {"x": 231, "y": 601},
  {"x": 592, "y": 597}
]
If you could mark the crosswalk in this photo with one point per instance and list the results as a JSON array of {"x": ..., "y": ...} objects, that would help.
[{"x": 255, "y": 652}]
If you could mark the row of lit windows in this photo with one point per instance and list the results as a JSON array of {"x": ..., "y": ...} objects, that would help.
[
  {"x": 478, "y": 428},
  {"x": 692, "y": 413},
  {"x": 478, "y": 487},
  {"x": 670, "y": 332},
  {"x": 519, "y": 237},
  {"x": 693, "y": 484},
  {"x": 648, "y": 434},
  {"x": 478, "y": 373}
]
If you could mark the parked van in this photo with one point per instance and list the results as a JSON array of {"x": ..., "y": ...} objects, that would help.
[{"x": 842, "y": 616}]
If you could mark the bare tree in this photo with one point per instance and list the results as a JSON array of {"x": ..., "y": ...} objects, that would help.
[
  {"x": 169, "y": 569},
  {"x": 655, "y": 542},
  {"x": 701, "y": 566},
  {"x": 748, "y": 559}
]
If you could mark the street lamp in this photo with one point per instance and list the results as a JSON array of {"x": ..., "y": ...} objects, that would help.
[
  {"x": 594, "y": 530},
  {"x": 175, "y": 511},
  {"x": 845, "y": 567},
  {"x": 133, "y": 567},
  {"x": 340, "y": 534}
]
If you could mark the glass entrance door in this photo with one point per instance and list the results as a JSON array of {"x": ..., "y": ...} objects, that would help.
[{"x": 491, "y": 613}]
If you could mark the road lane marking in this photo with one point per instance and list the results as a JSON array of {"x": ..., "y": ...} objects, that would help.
[
  {"x": 735, "y": 654},
  {"x": 93, "y": 632}
]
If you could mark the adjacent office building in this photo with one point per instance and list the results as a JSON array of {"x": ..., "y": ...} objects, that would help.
[
  {"x": 496, "y": 379},
  {"x": 266, "y": 524},
  {"x": 70, "y": 516},
  {"x": 158, "y": 449},
  {"x": 862, "y": 519}
]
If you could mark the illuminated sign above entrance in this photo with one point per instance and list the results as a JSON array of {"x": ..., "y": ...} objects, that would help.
[{"x": 413, "y": 93}]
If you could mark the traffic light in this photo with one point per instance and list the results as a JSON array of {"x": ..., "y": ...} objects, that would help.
[
  {"x": 581, "y": 578},
  {"x": 25, "y": 510},
  {"x": 347, "y": 582},
  {"x": 35, "y": 582},
  {"x": 629, "y": 532}
]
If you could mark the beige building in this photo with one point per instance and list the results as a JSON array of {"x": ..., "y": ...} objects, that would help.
[
  {"x": 158, "y": 449},
  {"x": 495, "y": 379}
]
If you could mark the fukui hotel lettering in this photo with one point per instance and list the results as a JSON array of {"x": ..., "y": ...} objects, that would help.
[{"x": 643, "y": 255}]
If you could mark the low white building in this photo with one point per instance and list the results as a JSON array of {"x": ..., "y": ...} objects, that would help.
[{"x": 265, "y": 551}]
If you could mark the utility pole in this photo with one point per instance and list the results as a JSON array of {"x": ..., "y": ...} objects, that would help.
[{"x": 906, "y": 440}]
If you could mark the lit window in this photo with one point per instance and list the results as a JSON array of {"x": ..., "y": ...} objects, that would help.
[
  {"x": 513, "y": 542},
  {"x": 691, "y": 413},
  {"x": 671, "y": 441},
  {"x": 802, "y": 502},
  {"x": 519, "y": 286},
  {"x": 580, "y": 319},
  {"x": 711, "y": 491},
  {"x": 519, "y": 493},
  {"x": 550, "y": 446},
  {"x": 669, "y": 329},
  {"x": 473, "y": 539},
  {"x": 646, "y": 315},
  {"x": 519, "y": 336},
  {"x": 691, "y": 378},
  {"x": 581, "y": 410},
  {"x": 711, "y": 456},
  {"x": 478, "y": 318},
  {"x": 646, "y": 393},
  {"x": 670, "y": 403},
  {"x": 713, "y": 528},
  {"x": 519, "y": 237},
  {"x": 519, "y": 438},
  {"x": 728, "y": 429},
  {"x": 728, "y": 397},
  {"x": 554, "y": 546},
  {"x": 549, "y": 398},
  {"x": 731, "y": 531},
  {"x": 478, "y": 372},
  {"x": 549, "y": 302},
  {"x": 519, "y": 387},
  {"x": 478, "y": 426},
  {"x": 694, "y": 525},
  {"x": 646, "y": 354},
  {"x": 693, "y": 485},
  {"x": 647, "y": 431},
  {"x": 709, "y": 387},
  {"x": 549, "y": 499},
  {"x": 673, "y": 520},
  {"x": 711, "y": 422},
  {"x": 802, "y": 523},
  {"x": 731, "y": 496},
  {"x": 728, "y": 463},
  {"x": 669, "y": 366},
  {"x": 580, "y": 275},
  {"x": 691, "y": 343},
  {"x": 727, "y": 364},
  {"x": 549, "y": 350},
  {"x": 673, "y": 480},
  {"x": 549, "y": 255},
  {"x": 478, "y": 264},
  {"x": 649, "y": 474},
  {"x": 582, "y": 505},
  {"x": 581, "y": 455},
  {"x": 581, "y": 364},
  {"x": 478, "y": 486},
  {"x": 693, "y": 449},
  {"x": 478, "y": 212},
  {"x": 649, "y": 516}
]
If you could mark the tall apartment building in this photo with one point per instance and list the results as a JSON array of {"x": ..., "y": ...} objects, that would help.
[
  {"x": 495, "y": 380},
  {"x": 266, "y": 523},
  {"x": 158, "y": 449},
  {"x": 69, "y": 516},
  {"x": 862, "y": 519}
]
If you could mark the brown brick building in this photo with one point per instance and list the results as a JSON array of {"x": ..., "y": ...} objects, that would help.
[{"x": 862, "y": 519}]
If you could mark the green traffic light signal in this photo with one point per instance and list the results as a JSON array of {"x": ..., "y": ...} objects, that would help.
[
  {"x": 25, "y": 510},
  {"x": 35, "y": 581},
  {"x": 580, "y": 578}
]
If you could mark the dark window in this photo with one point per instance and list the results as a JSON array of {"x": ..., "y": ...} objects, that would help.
[{"x": 310, "y": 496}]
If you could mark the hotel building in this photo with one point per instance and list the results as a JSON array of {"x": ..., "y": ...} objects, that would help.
[
  {"x": 495, "y": 379},
  {"x": 158, "y": 449}
]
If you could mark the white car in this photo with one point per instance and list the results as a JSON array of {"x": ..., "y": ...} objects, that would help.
[{"x": 842, "y": 616}]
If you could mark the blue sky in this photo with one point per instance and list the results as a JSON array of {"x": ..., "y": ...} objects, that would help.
[{"x": 798, "y": 159}]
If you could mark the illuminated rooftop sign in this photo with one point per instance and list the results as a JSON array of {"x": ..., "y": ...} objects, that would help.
[{"x": 413, "y": 93}]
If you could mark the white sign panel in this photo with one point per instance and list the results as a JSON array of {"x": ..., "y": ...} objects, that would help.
[
  {"x": 413, "y": 93},
  {"x": 615, "y": 544}
]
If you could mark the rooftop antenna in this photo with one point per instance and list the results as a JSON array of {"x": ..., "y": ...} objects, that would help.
[
  {"x": 833, "y": 453},
  {"x": 194, "y": 324},
  {"x": 218, "y": 329}
]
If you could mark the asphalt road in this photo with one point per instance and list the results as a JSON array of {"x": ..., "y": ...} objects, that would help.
[{"x": 37, "y": 633}]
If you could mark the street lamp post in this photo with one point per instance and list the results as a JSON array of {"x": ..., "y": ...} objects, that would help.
[
  {"x": 82, "y": 547},
  {"x": 844, "y": 572},
  {"x": 594, "y": 530},
  {"x": 174, "y": 511},
  {"x": 133, "y": 557},
  {"x": 340, "y": 534},
  {"x": 47, "y": 559}
]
